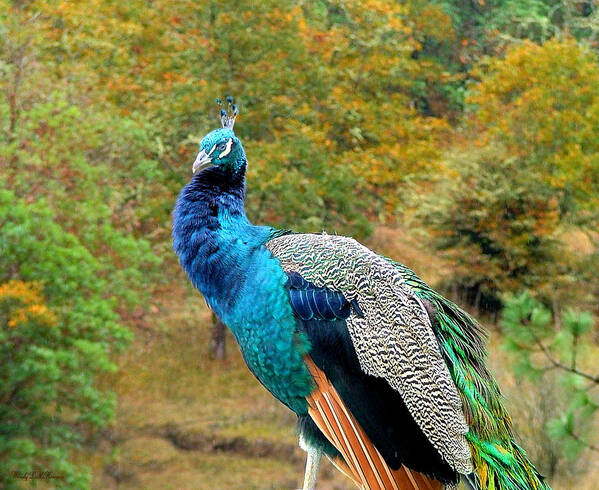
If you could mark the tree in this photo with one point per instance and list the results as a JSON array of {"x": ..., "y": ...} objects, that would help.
[
  {"x": 493, "y": 223},
  {"x": 554, "y": 80},
  {"x": 333, "y": 132},
  {"x": 58, "y": 332},
  {"x": 489, "y": 27},
  {"x": 540, "y": 350},
  {"x": 81, "y": 157},
  {"x": 524, "y": 170}
]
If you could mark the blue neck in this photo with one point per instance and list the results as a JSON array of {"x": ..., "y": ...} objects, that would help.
[
  {"x": 213, "y": 237},
  {"x": 225, "y": 258}
]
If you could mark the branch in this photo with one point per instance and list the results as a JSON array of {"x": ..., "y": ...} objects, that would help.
[
  {"x": 592, "y": 447},
  {"x": 574, "y": 351},
  {"x": 558, "y": 364}
]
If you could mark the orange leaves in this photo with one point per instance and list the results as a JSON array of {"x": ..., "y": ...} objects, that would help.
[
  {"x": 347, "y": 69},
  {"x": 542, "y": 102},
  {"x": 433, "y": 22},
  {"x": 28, "y": 293},
  {"x": 24, "y": 302}
]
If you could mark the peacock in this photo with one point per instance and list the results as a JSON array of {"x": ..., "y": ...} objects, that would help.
[{"x": 388, "y": 378}]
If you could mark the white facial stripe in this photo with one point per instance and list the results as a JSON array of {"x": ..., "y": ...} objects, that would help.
[
  {"x": 213, "y": 148},
  {"x": 227, "y": 150}
]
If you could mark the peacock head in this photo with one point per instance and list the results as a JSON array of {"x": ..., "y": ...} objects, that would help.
[{"x": 221, "y": 148}]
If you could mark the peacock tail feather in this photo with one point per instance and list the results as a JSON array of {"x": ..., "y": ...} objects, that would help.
[{"x": 500, "y": 464}]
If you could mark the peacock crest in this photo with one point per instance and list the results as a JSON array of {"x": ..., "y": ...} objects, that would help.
[{"x": 227, "y": 117}]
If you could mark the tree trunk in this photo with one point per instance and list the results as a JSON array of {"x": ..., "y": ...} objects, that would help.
[
  {"x": 217, "y": 341},
  {"x": 454, "y": 292},
  {"x": 556, "y": 317},
  {"x": 477, "y": 299}
]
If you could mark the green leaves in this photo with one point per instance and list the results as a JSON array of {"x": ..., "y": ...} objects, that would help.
[
  {"x": 51, "y": 358},
  {"x": 540, "y": 349},
  {"x": 578, "y": 323}
]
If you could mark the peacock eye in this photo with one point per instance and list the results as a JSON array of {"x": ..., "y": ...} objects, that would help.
[{"x": 221, "y": 147}]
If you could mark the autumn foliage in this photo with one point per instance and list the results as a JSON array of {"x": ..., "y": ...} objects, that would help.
[{"x": 471, "y": 125}]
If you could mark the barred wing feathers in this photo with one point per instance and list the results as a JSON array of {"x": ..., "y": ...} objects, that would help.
[
  {"x": 499, "y": 462},
  {"x": 393, "y": 337}
]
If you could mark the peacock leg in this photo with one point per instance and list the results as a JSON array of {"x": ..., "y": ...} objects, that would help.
[{"x": 312, "y": 464}]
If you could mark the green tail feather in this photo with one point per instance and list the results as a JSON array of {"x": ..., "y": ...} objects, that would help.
[{"x": 500, "y": 464}]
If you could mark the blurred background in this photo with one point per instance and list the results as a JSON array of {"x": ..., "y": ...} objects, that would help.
[{"x": 458, "y": 137}]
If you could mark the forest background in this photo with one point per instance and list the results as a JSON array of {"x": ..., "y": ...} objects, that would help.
[{"x": 458, "y": 137}]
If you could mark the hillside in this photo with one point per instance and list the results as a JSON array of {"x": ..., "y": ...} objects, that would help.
[{"x": 186, "y": 422}]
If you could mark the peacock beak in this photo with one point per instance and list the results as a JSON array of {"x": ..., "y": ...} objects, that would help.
[{"x": 202, "y": 161}]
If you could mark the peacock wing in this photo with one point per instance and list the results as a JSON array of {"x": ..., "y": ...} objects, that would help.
[{"x": 390, "y": 331}]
